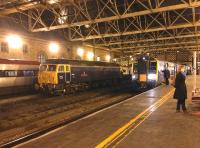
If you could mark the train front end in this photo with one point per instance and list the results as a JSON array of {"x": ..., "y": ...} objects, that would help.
[
  {"x": 53, "y": 77},
  {"x": 144, "y": 72}
]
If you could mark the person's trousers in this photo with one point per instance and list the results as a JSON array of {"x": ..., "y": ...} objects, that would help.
[
  {"x": 167, "y": 81},
  {"x": 181, "y": 103}
]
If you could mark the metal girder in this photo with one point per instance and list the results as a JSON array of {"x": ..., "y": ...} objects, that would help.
[
  {"x": 172, "y": 20},
  {"x": 84, "y": 15},
  {"x": 162, "y": 48},
  {"x": 170, "y": 45},
  {"x": 150, "y": 40},
  {"x": 136, "y": 32},
  {"x": 21, "y": 7}
]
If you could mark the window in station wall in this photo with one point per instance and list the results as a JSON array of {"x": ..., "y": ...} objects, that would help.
[
  {"x": 25, "y": 49},
  {"x": 42, "y": 57},
  {"x": 4, "y": 47}
]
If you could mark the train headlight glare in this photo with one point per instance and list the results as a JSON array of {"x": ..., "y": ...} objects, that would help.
[
  {"x": 133, "y": 77},
  {"x": 152, "y": 76}
]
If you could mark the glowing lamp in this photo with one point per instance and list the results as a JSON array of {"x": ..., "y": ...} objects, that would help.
[
  {"x": 90, "y": 55},
  {"x": 108, "y": 58},
  {"x": 98, "y": 58},
  {"x": 80, "y": 52},
  {"x": 53, "y": 47},
  {"x": 14, "y": 41}
]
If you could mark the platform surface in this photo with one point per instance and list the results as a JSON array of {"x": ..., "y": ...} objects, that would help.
[{"x": 163, "y": 128}]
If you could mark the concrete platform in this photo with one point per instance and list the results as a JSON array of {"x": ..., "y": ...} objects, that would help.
[{"x": 144, "y": 121}]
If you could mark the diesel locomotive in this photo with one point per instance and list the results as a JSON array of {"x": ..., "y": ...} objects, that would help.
[{"x": 66, "y": 76}]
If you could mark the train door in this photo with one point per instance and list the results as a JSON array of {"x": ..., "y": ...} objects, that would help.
[
  {"x": 142, "y": 69},
  {"x": 61, "y": 74}
]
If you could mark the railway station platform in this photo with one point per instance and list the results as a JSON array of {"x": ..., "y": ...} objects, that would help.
[{"x": 148, "y": 120}]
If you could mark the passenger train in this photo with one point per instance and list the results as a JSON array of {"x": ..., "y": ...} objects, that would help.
[
  {"x": 148, "y": 72},
  {"x": 17, "y": 76},
  {"x": 66, "y": 76}
]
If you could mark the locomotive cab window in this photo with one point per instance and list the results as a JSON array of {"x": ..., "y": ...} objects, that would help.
[
  {"x": 43, "y": 68},
  {"x": 61, "y": 69},
  {"x": 135, "y": 68},
  {"x": 67, "y": 68},
  {"x": 51, "y": 68}
]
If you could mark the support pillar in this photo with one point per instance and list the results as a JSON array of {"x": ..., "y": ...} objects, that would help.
[
  {"x": 194, "y": 68},
  {"x": 195, "y": 62},
  {"x": 94, "y": 53}
]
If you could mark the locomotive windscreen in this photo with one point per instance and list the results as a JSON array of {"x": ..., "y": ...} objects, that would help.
[
  {"x": 135, "y": 68},
  {"x": 153, "y": 67},
  {"x": 142, "y": 66}
]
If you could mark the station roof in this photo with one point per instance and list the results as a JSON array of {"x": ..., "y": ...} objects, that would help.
[{"x": 128, "y": 26}]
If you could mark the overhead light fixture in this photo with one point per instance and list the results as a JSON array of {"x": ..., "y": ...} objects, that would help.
[
  {"x": 80, "y": 52},
  {"x": 14, "y": 41},
  {"x": 108, "y": 58},
  {"x": 53, "y": 1},
  {"x": 90, "y": 56},
  {"x": 87, "y": 25},
  {"x": 63, "y": 16},
  {"x": 98, "y": 58},
  {"x": 53, "y": 47}
]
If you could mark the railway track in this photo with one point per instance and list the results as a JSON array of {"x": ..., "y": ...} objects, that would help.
[{"x": 66, "y": 111}]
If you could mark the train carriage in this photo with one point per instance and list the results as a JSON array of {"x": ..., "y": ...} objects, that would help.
[
  {"x": 148, "y": 71},
  {"x": 17, "y": 76}
]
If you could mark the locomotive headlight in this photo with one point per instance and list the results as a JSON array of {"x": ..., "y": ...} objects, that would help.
[
  {"x": 133, "y": 77},
  {"x": 151, "y": 76}
]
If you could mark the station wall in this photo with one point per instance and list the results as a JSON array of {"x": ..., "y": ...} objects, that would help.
[{"x": 34, "y": 48}]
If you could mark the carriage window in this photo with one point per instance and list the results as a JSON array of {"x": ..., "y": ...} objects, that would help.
[
  {"x": 28, "y": 73},
  {"x": 12, "y": 73},
  {"x": 43, "y": 67},
  {"x": 2, "y": 73},
  {"x": 61, "y": 69},
  {"x": 51, "y": 68}
]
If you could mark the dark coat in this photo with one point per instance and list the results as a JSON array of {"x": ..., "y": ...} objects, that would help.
[
  {"x": 166, "y": 73},
  {"x": 181, "y": 90}
]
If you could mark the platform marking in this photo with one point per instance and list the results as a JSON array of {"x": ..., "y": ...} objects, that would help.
[
  {"x": 99, "y": 111},
  {"x": 118, "y": 136}
]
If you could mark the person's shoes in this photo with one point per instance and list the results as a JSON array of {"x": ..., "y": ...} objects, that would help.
[{"x": 177, "y": 111}]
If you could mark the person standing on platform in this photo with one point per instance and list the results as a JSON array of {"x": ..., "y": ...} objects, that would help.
[
  {"x": 166, "y": 75},
  {"x": 180, "y": 90}
]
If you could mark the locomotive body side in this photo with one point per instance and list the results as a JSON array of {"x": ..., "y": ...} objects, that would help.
[{"x": 68, "y": 74}]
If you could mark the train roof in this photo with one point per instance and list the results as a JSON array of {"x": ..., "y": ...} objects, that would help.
[
  {"x": 79, "y": 62},
  {"x": 19, "y": 62}
]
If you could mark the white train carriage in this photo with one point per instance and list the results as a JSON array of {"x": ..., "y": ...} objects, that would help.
[{"x": 17, "y": 76}]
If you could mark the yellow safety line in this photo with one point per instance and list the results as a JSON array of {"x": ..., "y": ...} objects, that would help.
[
  {"x": 129, "y": 132},
  {"x": 124, "y": 128},
  {"x": 157, "y": 104}
]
